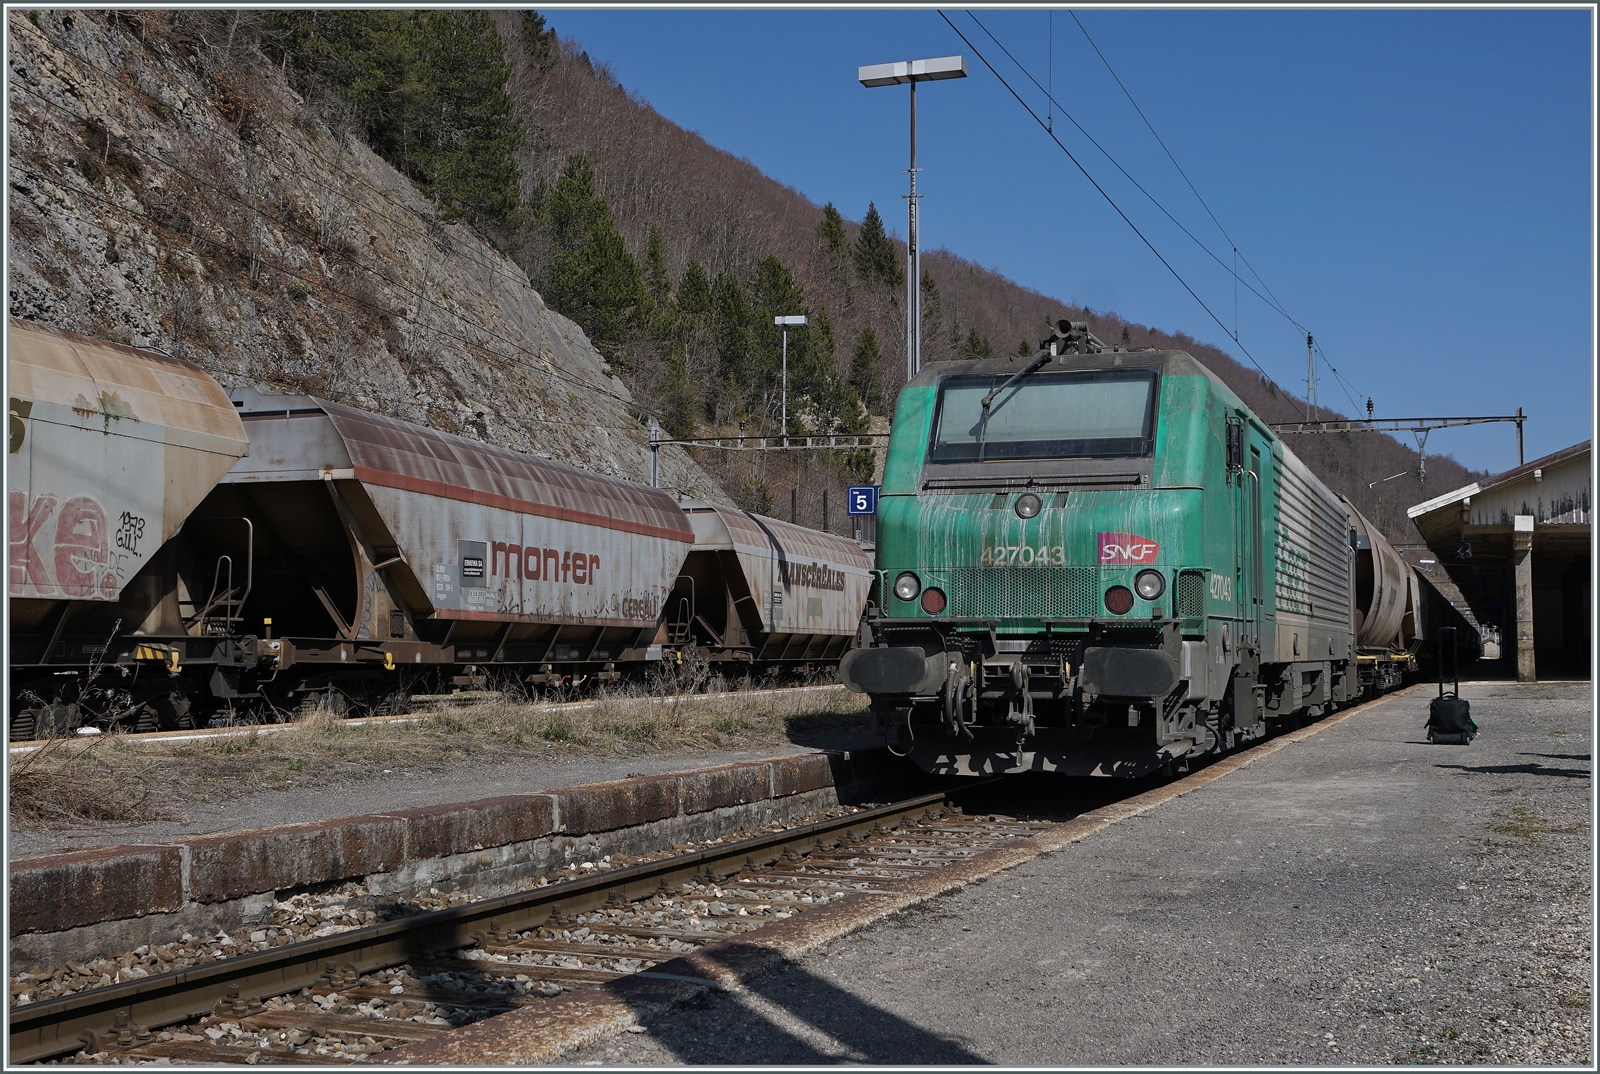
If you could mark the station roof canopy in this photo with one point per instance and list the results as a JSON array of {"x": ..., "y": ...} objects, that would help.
[{"x": 1554, "y": 490}]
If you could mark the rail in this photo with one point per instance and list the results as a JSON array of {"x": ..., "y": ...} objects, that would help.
[{"x": 103, "y": 1016}]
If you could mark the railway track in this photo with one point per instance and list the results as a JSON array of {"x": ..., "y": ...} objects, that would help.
[{"x": 359, "y": 993}]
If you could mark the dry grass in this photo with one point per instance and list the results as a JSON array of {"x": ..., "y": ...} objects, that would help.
[{"x": 73, "y": 782}]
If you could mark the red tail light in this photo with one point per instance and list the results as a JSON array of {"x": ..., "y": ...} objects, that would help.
[{"x": 1119, "y": 600}]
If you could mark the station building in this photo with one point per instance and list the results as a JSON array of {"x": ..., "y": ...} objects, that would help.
[{"x": 1517, "y": 547}]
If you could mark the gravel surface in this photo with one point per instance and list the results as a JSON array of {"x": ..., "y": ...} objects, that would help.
[
  {"x": 693, "y": 906},
  {"x": 326, "y": 799},
  {"x": 1358, "y": 898}
]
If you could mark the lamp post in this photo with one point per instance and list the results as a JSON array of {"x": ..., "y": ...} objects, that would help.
[
  {"x": 894, "y": 74},
  {"x": 784, "y": 323}
]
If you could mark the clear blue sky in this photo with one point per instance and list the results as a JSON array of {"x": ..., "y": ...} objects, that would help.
[{"x": 1415, "y": 186}]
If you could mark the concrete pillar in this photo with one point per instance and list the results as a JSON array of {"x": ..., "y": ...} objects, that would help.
[{"x": 1522, "y": 558}]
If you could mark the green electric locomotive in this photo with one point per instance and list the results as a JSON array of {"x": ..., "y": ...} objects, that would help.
[{"x": 1100, "y": 562}]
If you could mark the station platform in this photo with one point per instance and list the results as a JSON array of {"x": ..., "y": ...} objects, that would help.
[
  {"x": 1356, "y": 897},
  {"x": 424, "y": 781}
]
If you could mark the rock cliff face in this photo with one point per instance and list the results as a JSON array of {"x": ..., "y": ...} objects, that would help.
[{"x": 169, "y": 190}]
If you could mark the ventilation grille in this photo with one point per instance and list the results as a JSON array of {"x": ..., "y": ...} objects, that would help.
[
  {"x": 1023, "y": 592},
  {"x": 1191, "y": 594}
]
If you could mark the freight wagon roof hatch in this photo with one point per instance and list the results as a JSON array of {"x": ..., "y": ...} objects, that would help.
[
  {"x": 396, "y": 454},
  {"x": 121, "y": 390}
]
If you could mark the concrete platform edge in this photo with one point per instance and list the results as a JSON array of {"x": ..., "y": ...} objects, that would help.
[{"x": 85, "y": 903}]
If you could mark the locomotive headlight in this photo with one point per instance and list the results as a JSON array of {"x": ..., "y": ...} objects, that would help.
[
  {"x": 907, "y": 586},
  {"x": 1150, "y": 584},
  {"x": 1028, "y": 505}
]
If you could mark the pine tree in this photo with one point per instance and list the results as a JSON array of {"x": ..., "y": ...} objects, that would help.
[
  {"x": 755, "y": 497},
  {"x": 593, "y": 278},
  {"x": 875, "y": 254},
  {"x": 816, "y": 375},
  {"x": 864, "y": 362},
  {"x": 655, "y": 268},
  {"x": 679, "y": 405},
  {"x": 539, "y": 41},
  {"x": 469, "y": 167},
  {"x": 1024, "y": 349},
  {"x": 730, "y": 325},
  {"x": 830, "y": 233},
  {"x": 426, "y": 89},
  {"x": 1125, "y": 340},
  {"x": 977, "y": 346},
  {"x": 774, "y": 293},
  {"x": 694, "y": 291}
]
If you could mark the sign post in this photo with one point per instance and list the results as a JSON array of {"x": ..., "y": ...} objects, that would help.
[{"x": 861, "y": 500}]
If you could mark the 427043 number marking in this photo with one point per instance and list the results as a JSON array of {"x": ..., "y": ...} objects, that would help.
[
  {"x": 1022, "y": 555},
  {"x": 1221, "y": 587}
]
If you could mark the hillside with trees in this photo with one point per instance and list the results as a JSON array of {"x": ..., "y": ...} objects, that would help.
[
  {"x": 567, "y": 263},
  {"x": 711, "y": 248}
]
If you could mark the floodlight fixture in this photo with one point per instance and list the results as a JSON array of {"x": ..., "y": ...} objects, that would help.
[{"x": 910, "y": 72}]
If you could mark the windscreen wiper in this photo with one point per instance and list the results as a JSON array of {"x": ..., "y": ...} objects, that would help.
[{"x": 1040, "y": 360}]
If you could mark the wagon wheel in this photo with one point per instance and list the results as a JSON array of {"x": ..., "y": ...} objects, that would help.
[
  {"x": 332, "y": 699},
  {"x": 175, "y": 712},
  {"x": 24, "y": 724},
  {"x": 56, "y": 720},
  {"x": 395, "y": 703},
  {"x": 146, "y": 717}
]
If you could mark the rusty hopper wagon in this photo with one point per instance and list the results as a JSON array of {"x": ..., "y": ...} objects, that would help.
[
  {"x": 111, "y": 449},
  {"x": 380, "y": 545},
  {"x": 161, "y": 574},
  {"x": 758, "y": 591},
  {"x": 1391, "y": 611}
]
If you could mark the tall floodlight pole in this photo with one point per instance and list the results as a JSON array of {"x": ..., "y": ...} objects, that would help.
[
  {"x": 894, "y": 74},
  {"x": 785, "y": 322}
]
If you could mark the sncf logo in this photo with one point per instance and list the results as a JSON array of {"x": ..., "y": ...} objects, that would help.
[{"x": 1127, "y": 548}]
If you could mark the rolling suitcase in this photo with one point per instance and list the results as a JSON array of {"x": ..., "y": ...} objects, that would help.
[{"x": 1449, "y": 715}]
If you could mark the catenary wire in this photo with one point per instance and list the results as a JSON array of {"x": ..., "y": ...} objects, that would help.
[
  {"x": 1116, "y": 164},
  {"x": 1276, "y": 303},
  {"x": 1115, "y": 207},
  {"x": 1272, "y": 303}
]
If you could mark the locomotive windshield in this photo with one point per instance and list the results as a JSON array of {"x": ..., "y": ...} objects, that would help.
[{"x": 1099, "y": 413}]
